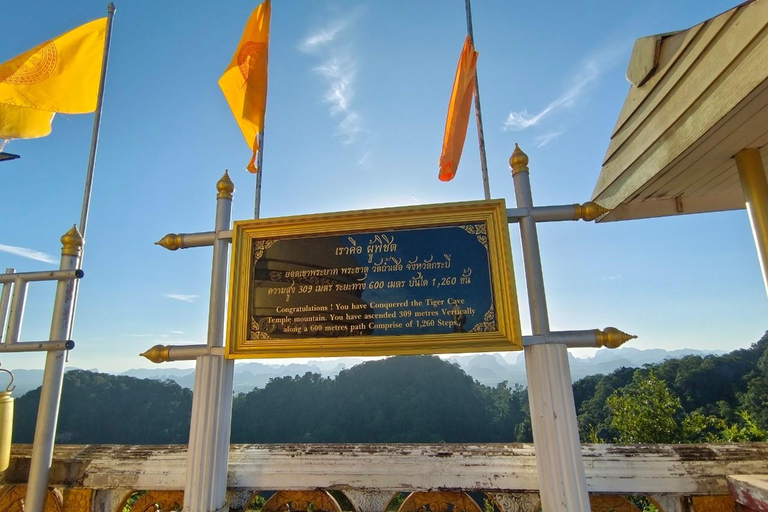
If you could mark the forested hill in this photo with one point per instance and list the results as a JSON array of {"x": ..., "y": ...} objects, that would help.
[{"x": 425, "y": 399}]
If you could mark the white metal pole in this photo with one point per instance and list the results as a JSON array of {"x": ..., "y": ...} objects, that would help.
[
  {"x": 208, "y": 455},
  {"x": 5, "y": 298},
  {"x": 562, "y": 482},
  {"x": 50, "y": 394},
  {"x": 478, "y": 112},
  {"x": 16, "y": 313}
]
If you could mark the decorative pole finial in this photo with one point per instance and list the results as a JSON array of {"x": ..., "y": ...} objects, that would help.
[
  {"x": 225, "y": 187},
  {"x": 611, "y": 337},
  {"x": 158, "y": 354},
  {"x": 590, "y": 211},
  {"x": 71, "y": 242},
  {"x": 518, "y": 162},
  {"x": 171, "y": 241}
]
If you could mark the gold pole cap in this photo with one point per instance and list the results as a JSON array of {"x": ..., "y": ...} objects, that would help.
[
  {"x": 518, "y": 162},
  {"x": 225, "y": 187},
  {"x": 611, "y": 337},
  {"x": 171, "y": 241},
  {"x": 590, "y": 211},
  {"x": 158, "y": 354},
  {"x": 71, "y": 242}
]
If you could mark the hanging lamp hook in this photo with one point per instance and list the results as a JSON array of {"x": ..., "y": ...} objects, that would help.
[{"x": 10, "y": 386}]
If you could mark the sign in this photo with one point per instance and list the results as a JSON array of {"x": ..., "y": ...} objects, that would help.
[{"x": 415, "y": 280}]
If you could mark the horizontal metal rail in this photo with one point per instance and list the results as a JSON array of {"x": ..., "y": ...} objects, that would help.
[
  {"x": 609, "y": 337},
  {"x": 567, "y": 212},
  {"x": 37, "y": 346},
  {"x": 45, "y": 275}
]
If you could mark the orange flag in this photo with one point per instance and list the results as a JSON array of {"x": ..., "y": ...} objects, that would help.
[
  {"x": 458, "y": 112},
  {"x": 244, "y": 83}
]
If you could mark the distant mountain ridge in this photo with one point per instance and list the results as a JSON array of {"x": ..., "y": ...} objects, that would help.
[{"x": 488, "y": 369}]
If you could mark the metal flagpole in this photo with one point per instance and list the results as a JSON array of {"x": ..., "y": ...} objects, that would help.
[
  {"x": 96, "y": 124},
  {"x": 259, "y": 160},
  {"x": 94, "y": 145},
  {"x": 478, "y": 113}
]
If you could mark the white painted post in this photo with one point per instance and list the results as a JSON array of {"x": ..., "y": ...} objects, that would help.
[
  {"x": 50, "y": 394},
  {"x": 205, "y": 485},
  {"x": 562, "y": 483}
]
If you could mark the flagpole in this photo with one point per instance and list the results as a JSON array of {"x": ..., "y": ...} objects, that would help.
[
  {"x": 259, "y": 171},
  {"x": 96, "y": 125},
  {"x": 92, "y": 156},
  {"x": 478, "y": 113}
]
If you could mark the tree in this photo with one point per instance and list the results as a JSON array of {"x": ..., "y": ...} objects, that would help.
[
  {"x": 111, "y": 409},
  {"x": 645, "y": 411},
  {"x": 755, "y": 399}
]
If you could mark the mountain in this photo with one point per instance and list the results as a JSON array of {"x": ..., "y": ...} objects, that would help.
[
  {"x": 417, "y": 399},
  {"x": 487, "y": 369}
]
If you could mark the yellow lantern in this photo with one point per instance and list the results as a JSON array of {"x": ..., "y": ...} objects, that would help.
[{"x": 6, "y": 423}]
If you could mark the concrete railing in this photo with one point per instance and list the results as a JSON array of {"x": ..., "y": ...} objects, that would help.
[{"x": 371, "y": 474}]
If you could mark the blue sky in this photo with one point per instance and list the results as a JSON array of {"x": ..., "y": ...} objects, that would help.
[{"x": 358, "y": 94}]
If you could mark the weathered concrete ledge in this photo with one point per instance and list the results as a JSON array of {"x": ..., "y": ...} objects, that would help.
[{"x": 691, "y": 469}]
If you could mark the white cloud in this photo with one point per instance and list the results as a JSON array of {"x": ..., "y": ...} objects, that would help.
[
  {"x": 182, "y": 297},
  {"x": 588, "y": 72},
  {"x": 28, "y": 253},
  {"x": 338, "y": 68},
  {"x": 322, "y": 36},
  {"x": 543, "y": 140},
  {"x": 177, "y": 332}
]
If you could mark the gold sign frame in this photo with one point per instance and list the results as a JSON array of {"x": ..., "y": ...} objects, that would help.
[{"x": 506, "y": 337}]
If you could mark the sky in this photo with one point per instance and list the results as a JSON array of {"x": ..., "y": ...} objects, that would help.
[{"x": 358, "y": 94}]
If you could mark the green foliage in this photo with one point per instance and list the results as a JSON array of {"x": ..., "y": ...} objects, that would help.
[
  {"x": 754, "y": 399},
  {"x": 400, "y": 399},
  {"x": 645, "y": 412},
  {"x": 256, "y": 504},
  {"x": 109, "y": 409},
  {"x": 424, "y": 399},
  {"x": 591, "y": 396},
  {"x": 396, "y": 501},
  {"x": 648, "y": 412},
  {"x": 132, "y": 499}
]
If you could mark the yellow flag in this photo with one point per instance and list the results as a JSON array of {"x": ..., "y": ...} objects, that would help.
[
  {"x": 60, "y": 75},
  {"x": 244, "y": 83},
  {"x": 24, "y": 123},
  {"x": 458, "y": 112}
]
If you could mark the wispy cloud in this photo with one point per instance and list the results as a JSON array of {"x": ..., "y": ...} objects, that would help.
[
  {"x": 28, "y": 253},
  {"x": 364, "y": 160},
  {"x": 589, "y": 71},
  {"x": 181, "y": 297},
  {"x": 323, "y": 36},
  {"x": 611, "y": 278},
  {"x": 543, "y": 140},
  {"x": 338, "y": 68},
  {"x": 177, "y": 332}
]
